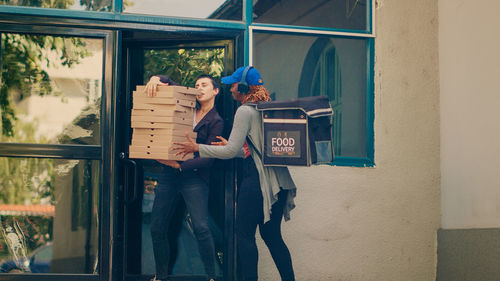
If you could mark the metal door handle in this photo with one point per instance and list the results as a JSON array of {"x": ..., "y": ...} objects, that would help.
[{"x": 126, "y": 161}]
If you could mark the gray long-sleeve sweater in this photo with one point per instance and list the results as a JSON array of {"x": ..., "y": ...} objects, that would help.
[{"x": 248, "y": 123}]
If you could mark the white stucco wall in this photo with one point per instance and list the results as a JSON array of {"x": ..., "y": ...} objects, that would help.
[
  {"x": 470, "y": 116},
  {"x": 379, "y": 223}
]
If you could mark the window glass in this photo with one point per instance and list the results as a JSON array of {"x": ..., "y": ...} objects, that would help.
[
  {"x": 342, "y": 14},
  {"x": 299, "y": 66},
  {"x": 49, "y": 215},
  {"x": 204, "y": 9},
  {"x": 89, "y": 5},
  {"x": 51, "y": 89}
]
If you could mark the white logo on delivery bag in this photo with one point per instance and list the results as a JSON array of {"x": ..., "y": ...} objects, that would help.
[{"x": 282, "y": 144}]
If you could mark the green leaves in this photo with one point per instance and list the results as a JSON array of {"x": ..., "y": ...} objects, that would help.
[
  {"x": 25, "y": 59},
  {"x": 184, "y": 65}
]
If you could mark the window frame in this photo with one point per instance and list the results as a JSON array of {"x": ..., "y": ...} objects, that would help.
[
  {"x": 367, "y": 161},
  {"x": 116, "y": 20},
  {"x": 103, "y": 152}
]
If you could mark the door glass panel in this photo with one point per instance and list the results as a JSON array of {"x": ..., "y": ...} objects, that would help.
[
  {"x": 88, "y": 5},
  {"x": 300, "y": 66},
  {"x": 204, "y": 9},
  {"x": 342, "y": 14},
  {"x": 49, "y": 215},
  {"x": 182, "y": 65},
  {"x": 51, "y": 89}
]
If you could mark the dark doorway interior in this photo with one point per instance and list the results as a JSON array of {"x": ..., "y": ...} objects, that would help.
[{"x": 182, "y": 56}]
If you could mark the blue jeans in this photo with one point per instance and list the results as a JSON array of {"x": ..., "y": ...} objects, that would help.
[
  {"x": 250, "y": 214},
  {"x": 195, "y": 192}
]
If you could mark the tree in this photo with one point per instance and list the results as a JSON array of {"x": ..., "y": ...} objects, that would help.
[
  {"x": 26, "y": 179},
  {"x": 22, "y": 74},
  {"x": 23, "y": 55},
  {"x": 90, "y": 5},
  {"x": 184, "y": 65}
]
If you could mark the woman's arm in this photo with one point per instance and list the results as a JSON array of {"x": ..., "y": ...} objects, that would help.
[
  {"x": 239, "y": 132},
  {"x": 196, "y": 163}
]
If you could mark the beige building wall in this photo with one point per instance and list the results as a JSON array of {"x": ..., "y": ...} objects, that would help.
[
  {"x": 470, "y": 140},
  {"x": 470, "y": 113},
  {"x": 379, "y": 223}
]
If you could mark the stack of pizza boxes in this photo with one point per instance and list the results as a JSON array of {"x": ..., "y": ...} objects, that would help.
[{"x": 161, "y": 120}]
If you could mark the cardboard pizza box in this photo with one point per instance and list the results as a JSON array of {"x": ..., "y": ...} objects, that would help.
[
  {"x": 153, "y": 115},
  {"x": 158, "y": 156},
  {"x": 152, "y": 148},
  {"x": 156, "y": 100},
  {"x": 166, "y": 94},
  {"x": 159, "y": 121},
  {"x": 179, "y": 130},
  {"x": 155, "y": 140},
  {"x": 180, "y": 111},
  {"x": 158, "y": 138},
  {"x": 171, "y": 91},
  {"x": 154, "y": 106}
]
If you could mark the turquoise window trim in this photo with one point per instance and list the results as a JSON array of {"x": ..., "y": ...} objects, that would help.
[
  {"x": 324, "y": 30},
  {"x": 247, "y": 11},
  {"x": 369, "y": 160},
  {"x": 371, "y": 17},
  {"x": 246, "y": 25},
  {"x": 123, "y": 18},
  {"x": 352, "y": 162},
  {"x": 247, "y": 18},
  {"x": 117, "y": 6},
  {"x": 370, "y": 103}
]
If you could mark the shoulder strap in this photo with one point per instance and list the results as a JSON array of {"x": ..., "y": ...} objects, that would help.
[{"x": 250, "y": 143}]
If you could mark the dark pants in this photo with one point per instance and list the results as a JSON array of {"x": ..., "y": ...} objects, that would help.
[
  {"x": 195, "y": 192},
  {"x": 249, "y": 215}
]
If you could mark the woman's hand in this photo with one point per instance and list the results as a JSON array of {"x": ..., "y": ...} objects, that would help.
[
  {"x": 172, "y": 163},
  {"x": 152, "y": 86},
  {"x": 184, "y": 148},
  {"x": 222, "y": 141}
]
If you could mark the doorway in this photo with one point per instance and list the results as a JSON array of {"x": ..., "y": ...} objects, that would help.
[{"x": 183, "y": 58}]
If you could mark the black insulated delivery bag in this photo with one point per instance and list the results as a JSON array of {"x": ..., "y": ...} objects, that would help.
[{"x": 297, "y": 132}]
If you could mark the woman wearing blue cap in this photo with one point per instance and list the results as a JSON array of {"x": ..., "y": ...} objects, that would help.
[{"x": 266, "y": 194}]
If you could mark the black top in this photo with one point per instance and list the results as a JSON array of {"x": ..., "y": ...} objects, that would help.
[
  {"x": 314, "y": 106},
  {"x": 209, "y": 127}
]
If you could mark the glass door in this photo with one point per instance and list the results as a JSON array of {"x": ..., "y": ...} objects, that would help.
[
  {"x": 52, "y": 153},
  {"x": 183, "y": 61}
]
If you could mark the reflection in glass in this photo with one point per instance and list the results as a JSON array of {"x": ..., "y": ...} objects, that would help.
[
  {"x": 204, "y": 9},
  {"x": 342, "y": 14},
  {"x": 51, "y": 89},
  {"x": 299, "y": 65},
  {"x": 89, "y": 5},
  {"x": 49, "y": 215}
]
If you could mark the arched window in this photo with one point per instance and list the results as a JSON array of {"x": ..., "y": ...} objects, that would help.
[{"x": 321, "y": 75}]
